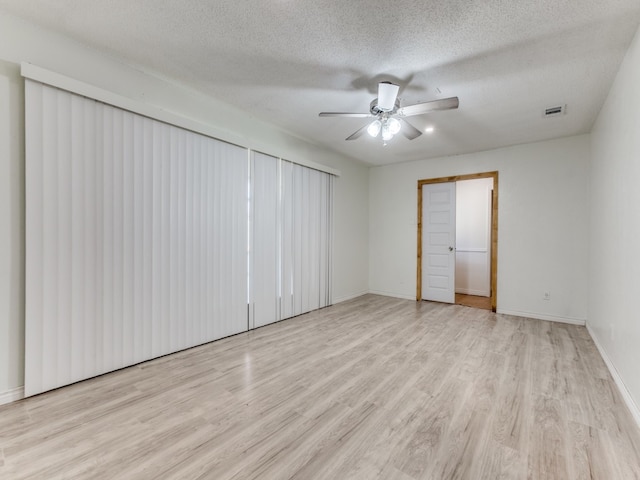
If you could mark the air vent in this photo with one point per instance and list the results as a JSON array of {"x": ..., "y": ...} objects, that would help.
[{"x": 555, "y": 111}]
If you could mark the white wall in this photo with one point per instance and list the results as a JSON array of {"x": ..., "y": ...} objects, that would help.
[
  {"x": 11, "y": 231},
  {"x": 542, "y": 230},
  {"x": 22, "y": 41},
  {"x": 614, "y": 260},
  {"x": 351, "y": 233},
  {"x": 473, "y": 236}
]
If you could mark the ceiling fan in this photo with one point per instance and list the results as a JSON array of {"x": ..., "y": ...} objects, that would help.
[{"x": 390, "y": 116}]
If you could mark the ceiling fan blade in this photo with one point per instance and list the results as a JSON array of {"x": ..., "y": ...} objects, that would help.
[
  {"x": 358, "y": 133},
  {"x": 409, "y": 130},
  {"x": 344, "y": 114},
  {"x": 387, "y": 94},
  {"x": 426, "y": 107}
]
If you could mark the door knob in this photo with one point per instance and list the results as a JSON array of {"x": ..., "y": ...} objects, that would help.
[{"x": 451, "y": 249}]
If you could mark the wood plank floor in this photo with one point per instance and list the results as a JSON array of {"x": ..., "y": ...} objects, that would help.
[
  {"x": 474, "y": 301},
  {"x": 373, "y": 388}
]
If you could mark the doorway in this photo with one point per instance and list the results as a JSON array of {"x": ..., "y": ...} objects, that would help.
[{"x": 436, "y": 262}]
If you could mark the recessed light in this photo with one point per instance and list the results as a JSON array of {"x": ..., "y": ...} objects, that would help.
[{"x": 429, "y": 129}]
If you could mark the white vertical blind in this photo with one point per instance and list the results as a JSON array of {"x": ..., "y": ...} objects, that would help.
[
  {"x": 136, "y": 238},
  {"x": 265, "y": 287},
  {"x": 307, "y": 236},
  {"x": 292, "y": 255}
]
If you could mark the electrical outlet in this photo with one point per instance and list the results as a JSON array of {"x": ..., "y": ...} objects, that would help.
[{"x": 546, "y": 296}]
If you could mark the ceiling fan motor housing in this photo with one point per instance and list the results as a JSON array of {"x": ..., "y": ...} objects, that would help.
[{"x": 376, "y": 110}]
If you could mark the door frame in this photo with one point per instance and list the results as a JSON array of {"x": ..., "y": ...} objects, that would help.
[{"x": 494, "y": 229}]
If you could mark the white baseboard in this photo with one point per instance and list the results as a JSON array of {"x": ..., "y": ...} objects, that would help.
[
  {"x": 543, "y": 316},
  {"x": 393, "y": 294},
  {"x": 622, "y": 388},
  {"x": 12, "y": 395},
  {"x": 349, "y": 297}
]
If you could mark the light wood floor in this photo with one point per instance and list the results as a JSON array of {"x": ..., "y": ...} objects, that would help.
[{"x": 373, "y": 388}]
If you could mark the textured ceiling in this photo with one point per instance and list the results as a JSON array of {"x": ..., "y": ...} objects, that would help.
[{"x": 286, "y": 60}]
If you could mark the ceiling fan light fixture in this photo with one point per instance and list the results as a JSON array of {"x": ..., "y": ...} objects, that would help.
[
  {"x": 374, "y": 128},
  {"x": 386, "y": 133},
  {"x": 394, "y": 125},
  {"x": 390, "y": 118}
]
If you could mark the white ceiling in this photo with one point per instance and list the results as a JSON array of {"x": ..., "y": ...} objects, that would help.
[{"x": 286, "y": 60}]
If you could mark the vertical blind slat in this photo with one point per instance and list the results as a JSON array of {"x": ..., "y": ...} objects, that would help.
[{"x": 34, "y": 224}]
